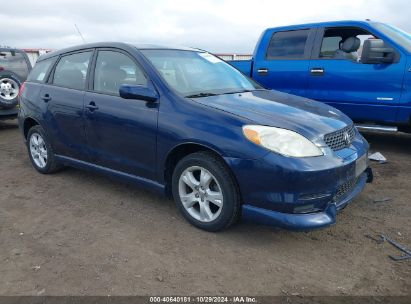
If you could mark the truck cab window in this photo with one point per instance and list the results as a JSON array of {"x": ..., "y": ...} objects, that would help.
[
  {"x": 343, "y": 43},
  {"x": 290, "y": 44}
]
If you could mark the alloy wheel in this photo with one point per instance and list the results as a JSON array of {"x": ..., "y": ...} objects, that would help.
[
  {"x": 38, "y": 150},
  {"x": 200, "y": 194}
]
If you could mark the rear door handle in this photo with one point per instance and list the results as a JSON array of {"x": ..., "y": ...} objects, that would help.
[
  {"x": 262, "y": 71},
  {"x": 317, "y": 71},
  {"x": 46, "y": 97},
  {"x": 92, "y": 106}
]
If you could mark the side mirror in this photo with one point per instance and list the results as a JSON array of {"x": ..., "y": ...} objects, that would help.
[
  {"x": 376, "y": 51},
  {"x": 138, "y": 92}
]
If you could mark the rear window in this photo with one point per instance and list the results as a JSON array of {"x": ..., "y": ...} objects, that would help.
[
  {"x": 71, "y": 71},
  {"x": 39, "y": 72},
  {"x": 15, "y": 62},
  {"x": 290, "y": 44}
]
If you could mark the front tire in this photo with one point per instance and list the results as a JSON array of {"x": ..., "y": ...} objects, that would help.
[
  {"x": 41, "y": 153},
  {"x": 205, "y": 192}
]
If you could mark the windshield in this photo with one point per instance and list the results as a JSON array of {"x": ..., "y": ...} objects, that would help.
[
  {"x": 198, "y": 74},
  {"x": 400, "y": 37}
]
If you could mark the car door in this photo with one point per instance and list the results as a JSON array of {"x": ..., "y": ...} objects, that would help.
[
  {"x": 365, "y": 92},
  {"x": 121, "y": 133},
  {"x": 284, "y": 63},
  {"x": 64, "y": 96}
]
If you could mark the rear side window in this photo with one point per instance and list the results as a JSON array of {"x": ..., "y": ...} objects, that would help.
[
  {"x": 114, "y": 69},
  {"x": 290, "y": 44},
  {"x": 14, "y": 62},
  {"x": 71, "y": 71},
  {"x": 39, "y": 72}
]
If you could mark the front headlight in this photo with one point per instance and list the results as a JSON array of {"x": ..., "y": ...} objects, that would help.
[{"x": 282, "y": 141}]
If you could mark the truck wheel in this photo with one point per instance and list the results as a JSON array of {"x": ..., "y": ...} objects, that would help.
[
  {"x": 9, "y": 90},
  {"x": 205, "y": 192},
  {"x": 41, "y": 152}
]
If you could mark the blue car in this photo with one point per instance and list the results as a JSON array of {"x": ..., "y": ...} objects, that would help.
[{"x": 185, "y": 123}]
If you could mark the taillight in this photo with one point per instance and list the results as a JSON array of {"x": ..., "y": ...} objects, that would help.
[{"x": 21, "y": 88}]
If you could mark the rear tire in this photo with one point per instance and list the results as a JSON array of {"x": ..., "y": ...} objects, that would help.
[
  {"x": 205, "y": 192},
  {"x": 41, "y": 152}
]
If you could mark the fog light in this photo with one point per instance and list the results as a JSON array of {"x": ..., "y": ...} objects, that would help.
[
  {"x": 309, "y": 203},
  {"x": 306, "y": 209}
]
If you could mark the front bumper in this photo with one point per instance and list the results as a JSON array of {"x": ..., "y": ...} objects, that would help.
[
  {"x": 310, "y": 220},
  {"x": 301, "y": 193}
]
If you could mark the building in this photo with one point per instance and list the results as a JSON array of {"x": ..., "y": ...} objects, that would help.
[{"x": 234, "y": 56}]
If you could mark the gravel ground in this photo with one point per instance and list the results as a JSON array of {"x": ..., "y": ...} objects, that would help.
[{"x": 78, "y": 233}]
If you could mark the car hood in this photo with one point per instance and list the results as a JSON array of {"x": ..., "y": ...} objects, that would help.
[{"x": 272, "y": 108}]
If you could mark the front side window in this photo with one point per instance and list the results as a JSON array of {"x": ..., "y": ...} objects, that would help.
[
  {"x": 290, "y": 44},
  {"x": 114, "y": 69},
  {"x": 343, "y": 43},
  {"x": 71, "y": 71},
  {"x": 15, "y": 62},
  {"x": 39, "y": 72},
  {"x": 330, "y": 45},
  {"x": 191, "y": 72}
]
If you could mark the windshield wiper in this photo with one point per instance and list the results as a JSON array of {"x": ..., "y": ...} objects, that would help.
[
  {"x": 241, "y": 91},
  {"x": 202, "y": 94}
]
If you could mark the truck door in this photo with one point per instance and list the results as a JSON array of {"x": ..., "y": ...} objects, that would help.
[
  {"x": 365, "y": 92},
  {"x": 282, "y": 61}
]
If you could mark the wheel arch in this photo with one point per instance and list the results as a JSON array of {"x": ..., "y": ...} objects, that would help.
[
  {"x": 180, "y": 151},
  {"x": 28, "y": 123}
]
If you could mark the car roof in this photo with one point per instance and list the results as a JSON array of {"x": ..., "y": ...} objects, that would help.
[
  {"x": 120, "y": 45},
  {"x": 324, "y": 24}
]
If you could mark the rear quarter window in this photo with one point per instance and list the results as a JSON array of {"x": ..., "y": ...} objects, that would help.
[{"x": 40, "y": 70}]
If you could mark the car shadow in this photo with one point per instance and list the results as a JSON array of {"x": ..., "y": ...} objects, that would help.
[
  {"x": 389, "y": 142},
  {"x": 8, "y": 124}
]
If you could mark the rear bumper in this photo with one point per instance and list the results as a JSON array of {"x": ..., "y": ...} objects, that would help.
[
  {"x": 8, "y": 113},
  {"x": 306, "y": 221}
]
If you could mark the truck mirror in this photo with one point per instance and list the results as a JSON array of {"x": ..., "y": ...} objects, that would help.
[{"x": 376, "y": 51}]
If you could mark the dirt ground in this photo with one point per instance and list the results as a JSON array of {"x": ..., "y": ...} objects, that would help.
[{"x": 78, "y": 233}]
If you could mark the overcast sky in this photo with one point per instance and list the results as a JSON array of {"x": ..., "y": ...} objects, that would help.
[{"x": 218, "y": 26}]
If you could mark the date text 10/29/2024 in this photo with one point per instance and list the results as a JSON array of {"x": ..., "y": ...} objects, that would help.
[{"x": 203, "y": 299}]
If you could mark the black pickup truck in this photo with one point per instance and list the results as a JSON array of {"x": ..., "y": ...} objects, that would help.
[{"x": 14, "y": 68}]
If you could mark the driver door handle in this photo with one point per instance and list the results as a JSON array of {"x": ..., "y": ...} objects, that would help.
[{"x": 317, "y": 71}]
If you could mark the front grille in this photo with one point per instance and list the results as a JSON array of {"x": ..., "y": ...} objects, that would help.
[
  {"x": 340, "y": 139},
  {"x": 344, "y": 188}
]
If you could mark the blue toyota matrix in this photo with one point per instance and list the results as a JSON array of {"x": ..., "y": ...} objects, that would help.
[{"x": 187, "y": 124}]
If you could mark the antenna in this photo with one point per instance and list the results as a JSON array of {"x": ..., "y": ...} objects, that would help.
[{"x": 82, "y": 38}]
